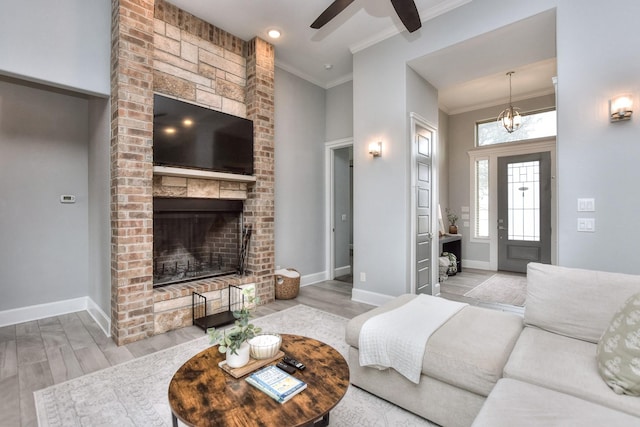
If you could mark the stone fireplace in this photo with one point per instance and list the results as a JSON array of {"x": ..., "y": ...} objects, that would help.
[{"x": 158, "y": 48}]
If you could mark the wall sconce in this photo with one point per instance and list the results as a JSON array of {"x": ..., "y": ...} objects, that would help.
[
  {"x": 621, "y": 108},
  {"x": 375, "y": 149}
]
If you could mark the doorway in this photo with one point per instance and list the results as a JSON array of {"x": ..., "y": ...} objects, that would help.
[
  {"x": 339, "y": 211},
  {"x": 524, "y": 211}
]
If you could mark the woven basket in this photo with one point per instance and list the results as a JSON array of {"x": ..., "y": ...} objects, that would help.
[{"x": 287, "y": 287}]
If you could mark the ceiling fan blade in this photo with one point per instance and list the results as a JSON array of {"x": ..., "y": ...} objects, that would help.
[
  {"x": 408, "y": 14},
  {"x": 329, "y": 13}
]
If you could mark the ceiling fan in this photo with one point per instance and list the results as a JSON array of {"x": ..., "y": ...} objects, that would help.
[{"x": 406, "y": 10}]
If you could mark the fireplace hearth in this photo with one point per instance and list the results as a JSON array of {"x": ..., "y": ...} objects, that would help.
[{"x": 195, "y": 239}]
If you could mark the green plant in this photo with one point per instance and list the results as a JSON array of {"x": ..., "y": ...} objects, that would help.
[
  {"x": 231, "y": 339},
  {"x": 451, "y": 216}
]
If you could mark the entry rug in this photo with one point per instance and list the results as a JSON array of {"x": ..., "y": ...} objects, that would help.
[
  {"x": 134, "y": 393},
  {"x": 501, "y": 288}
]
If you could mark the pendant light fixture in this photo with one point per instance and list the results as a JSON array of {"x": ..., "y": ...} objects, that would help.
[{"x": 510, "y": 118}]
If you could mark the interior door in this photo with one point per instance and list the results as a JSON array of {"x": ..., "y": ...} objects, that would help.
[
  {"x": 423, "y": 184},
  {"x": 524, "y": 211}
]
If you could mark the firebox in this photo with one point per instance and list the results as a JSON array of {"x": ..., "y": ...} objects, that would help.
[{"x": 195, "y": 238}]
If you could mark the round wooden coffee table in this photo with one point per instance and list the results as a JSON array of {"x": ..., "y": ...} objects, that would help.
[{"x": 202, "y": 394}]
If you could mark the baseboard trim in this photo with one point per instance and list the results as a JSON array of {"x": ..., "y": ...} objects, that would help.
[
  {"x": 342, "y": 271},
  {"x": 99, "y": 316},
  {"x": 367, "y": 297},
  {"x": 58, "y": 308},
  {"x": 310, "y": 279},
  {"x": 479, "y": 265}
]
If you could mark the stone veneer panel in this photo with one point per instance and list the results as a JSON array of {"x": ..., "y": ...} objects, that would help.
[{"x": 158, "y": 47}]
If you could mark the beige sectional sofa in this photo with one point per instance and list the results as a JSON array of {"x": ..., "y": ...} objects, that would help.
[{"x": 490, "y": 368}]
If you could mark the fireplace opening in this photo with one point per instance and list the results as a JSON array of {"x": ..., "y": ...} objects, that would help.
[{"x": 195, "y": 239}]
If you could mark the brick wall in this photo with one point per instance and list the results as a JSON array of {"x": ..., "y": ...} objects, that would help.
[{"x": 158, "y": 47}]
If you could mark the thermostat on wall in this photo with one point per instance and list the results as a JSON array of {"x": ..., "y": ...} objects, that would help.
[{"x": 67, "y": 198}]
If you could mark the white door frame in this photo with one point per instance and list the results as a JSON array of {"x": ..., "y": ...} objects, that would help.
[
  {"x": 329, "y": 159},
  {"x": 415, "y": 122}
]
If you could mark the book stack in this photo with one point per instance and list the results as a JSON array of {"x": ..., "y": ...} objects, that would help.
[{"x": 276, "y": 383}]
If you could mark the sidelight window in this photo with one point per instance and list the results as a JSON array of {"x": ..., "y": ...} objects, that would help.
[{"x": 481, "y": 199}]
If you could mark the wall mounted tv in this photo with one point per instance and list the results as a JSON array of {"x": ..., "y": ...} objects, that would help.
[{"x": 190, "y": 136}]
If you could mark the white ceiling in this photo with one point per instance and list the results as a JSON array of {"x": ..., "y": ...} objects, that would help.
[{"x": 467, "y": 75}]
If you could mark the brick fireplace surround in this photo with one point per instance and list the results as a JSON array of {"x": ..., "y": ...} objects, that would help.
[{"x": 159, "y": 48}]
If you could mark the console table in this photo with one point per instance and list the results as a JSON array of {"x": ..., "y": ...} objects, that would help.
[{"x": 452, "y": 244}]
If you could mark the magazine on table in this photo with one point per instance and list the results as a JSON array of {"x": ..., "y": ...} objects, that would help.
[{"x": 276, "y": 383}]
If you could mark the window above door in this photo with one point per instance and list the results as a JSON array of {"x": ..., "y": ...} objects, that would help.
[{"x": 535, "y": 125}]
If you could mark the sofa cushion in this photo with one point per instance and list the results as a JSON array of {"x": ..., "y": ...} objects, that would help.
[
  {"x": 516, "y": 403},
  {"x": 566, "y": 365},
  {"x": 618, "y": 353},
  {"x": 574, "y": 302},
  {"x": 468, "y": 351}
]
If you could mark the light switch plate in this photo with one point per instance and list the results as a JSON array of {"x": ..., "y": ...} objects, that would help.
[
  {"x": 586, "y": 205},
  {"x": 587, "y": 225}
]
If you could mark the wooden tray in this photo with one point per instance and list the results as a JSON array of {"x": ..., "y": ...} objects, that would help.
[{"x": 249, "y": 367}]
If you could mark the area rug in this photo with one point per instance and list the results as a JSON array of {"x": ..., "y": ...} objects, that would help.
[
  {"x": 135, "y": 393},
  {"x": 501, "y": 288}
]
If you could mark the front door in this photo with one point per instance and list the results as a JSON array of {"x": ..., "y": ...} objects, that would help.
[{"x": 524, "y": 211}]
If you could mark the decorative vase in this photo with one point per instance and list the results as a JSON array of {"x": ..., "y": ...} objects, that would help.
[
  {"x": 453, "y": 229},
  {"x": 240, "y": 359}
]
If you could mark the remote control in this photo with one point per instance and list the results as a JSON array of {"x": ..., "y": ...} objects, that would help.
[
  {"x": 293, "y": 362},
  {"x": 286, "y": 368}
]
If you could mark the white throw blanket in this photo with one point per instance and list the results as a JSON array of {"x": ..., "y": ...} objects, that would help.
[{"x": 397, "y": 339}]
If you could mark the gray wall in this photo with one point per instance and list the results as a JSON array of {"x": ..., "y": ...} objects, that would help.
[
  {"x": 596, "y": 158},
  {"x": 66, "y": 43},
  {"x": 443, "y": 159},
  {"x": 99, "y": 179},
  {"x": 339, "y": 112},
  {"x": 44, "y": 146},
  {"x": 383, "y": 93},
  {"x": 299, "y": 174},
  {"x": 461, "y": 140}
]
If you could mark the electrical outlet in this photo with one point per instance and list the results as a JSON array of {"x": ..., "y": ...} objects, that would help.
[{"x": 363, "y": 277}]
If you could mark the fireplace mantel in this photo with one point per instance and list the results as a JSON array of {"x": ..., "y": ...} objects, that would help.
[{"x": 200, "y": 174}]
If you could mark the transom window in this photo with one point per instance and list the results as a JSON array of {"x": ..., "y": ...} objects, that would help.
[{"x": 541, "y": 124}]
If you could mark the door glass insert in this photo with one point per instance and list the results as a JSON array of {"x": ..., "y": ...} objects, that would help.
[{"x": 523, "y": 180}]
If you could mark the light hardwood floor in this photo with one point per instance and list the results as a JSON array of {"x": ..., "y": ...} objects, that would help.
[
  {"x": 41, "y": 353},
  {"x": 37, "y": 354}
]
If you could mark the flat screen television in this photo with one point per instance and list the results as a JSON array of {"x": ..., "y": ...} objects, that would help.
[{"x": 190, "y": 136}]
